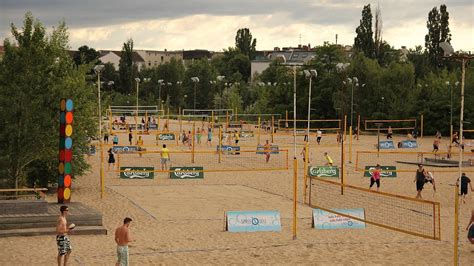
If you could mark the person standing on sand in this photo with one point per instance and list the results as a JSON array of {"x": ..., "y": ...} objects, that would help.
[
  {"x": 267, "y": 149},
  {"x": 111, "y": 158},
  {"x": 329, "y": 160},
  {"x": 165, "y": 157},
  {"x": 122, "y": 238},
  {"x": 470, "y": 228},
  {"x": 62, "y": 238},
  {"x": 375, "y": 178},
  {"x": 420, "y": 178},
  {"x": 464, "y": 181},
  {"x": 389, "y": 132},
  {"x": 319, "y": 135}
]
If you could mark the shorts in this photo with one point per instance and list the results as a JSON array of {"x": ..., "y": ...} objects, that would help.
[
  {"x": 164, "y": 160},
  {"x": 237, "y": 141},
  {"x": 372, "y": 181},
  {"x": 470, "y": 232},
  {"x": 115, "y": 142},
  {"x": 122, "y": 255},
  {"x": 419, "y": 185},
  {"x": 435, "y": 147},
  {"x": 464, "y": 190},
  {"x": 64, "y": 244},
  {"x": 111, "y": 160}
]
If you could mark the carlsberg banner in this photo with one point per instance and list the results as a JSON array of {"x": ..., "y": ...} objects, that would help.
[
  {"x": 166, "y": 136},
  {"x": 186, "y": 172},
  {"x": 387, "y": 171},
  {"x": 137, "y": 172},
  {"x": 323, "y": 171}
]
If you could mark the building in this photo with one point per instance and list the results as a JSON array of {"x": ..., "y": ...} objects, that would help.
[
  {"x": 156, "y": 58},
  {"x": 113, "y": 57}
]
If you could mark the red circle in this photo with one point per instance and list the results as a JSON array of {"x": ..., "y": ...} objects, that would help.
[
  {"x": 60, "y": 193},
  {"x": 67, "y": 180},
  {"x": 67, "y": 155},
  {"x": 69, "y": 117},
  {"x": 61, "y": 155},
  {"x": 61, "y": 130}
]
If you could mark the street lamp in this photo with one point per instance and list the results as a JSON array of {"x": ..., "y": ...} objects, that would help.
[
  {"x": 137, "y": 80},
  {"x": 98, "y": 70},
  {"x": 195, "y": 81},
  {"x": 309, "y": 74},
  {"x": 160, "y": 83},
  {"x": 220, "y": 78}
]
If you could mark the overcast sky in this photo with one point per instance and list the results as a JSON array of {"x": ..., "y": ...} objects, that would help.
[{"x": 212, "y": 24}]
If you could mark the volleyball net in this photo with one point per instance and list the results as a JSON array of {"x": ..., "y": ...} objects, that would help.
[
  {"x": 395, "y": 212},
  {"x": 396, "y": 125},
  {"x": 228, "y": 160},
  {"x": 407, "y": 161},
  {"x": 301, "y": 124},
  {"x": 125, "y": 118}
]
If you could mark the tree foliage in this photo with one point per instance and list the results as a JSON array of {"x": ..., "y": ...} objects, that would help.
[
  {"x": 438, "y": 31},
  {"x": 364, "y": 40},
  {"x": 86, "y": 55},
  {"x": 126, "y": 68},
  {"x": 35, "y": 73},
  {"x": 245, "y": 43}
]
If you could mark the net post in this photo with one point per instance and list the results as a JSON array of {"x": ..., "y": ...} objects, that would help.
[
  {"x": 273, "y": 129},
  {"x": 180, "y": 122},
  {"x": 227, "y": 119},
  {"x": 194, "y": 141},
  {"x": 158, "y": 126},
  {"x": 212, "y": 120},
  {"x": 295, "y": 180},
  {"x": 136, "y": 125},
  {"x": 258, "y": 132},
  {"x": 286, "y": 115},
  {"x": 358, "y": 126},
  {"x": 350, "y": 144},
  {"x": 421, "y": 125},
  {"x": 168, "y": 117},
  {"x": 345, "y": 127},
  {"x": 220, "y": 143},
  {"x": 110, "y": 120},
  {"x": 236, "y": 115},
  {"x": 101, "y": 170},
  {"x": 305, "y": 171},
  {"x": 342, "y": 157},
  {"x": 451, "y": 134},
  {"x": 456, "y": 226}
]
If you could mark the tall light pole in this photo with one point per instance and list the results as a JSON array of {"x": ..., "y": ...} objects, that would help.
[
  {"x": 98, "y": 70},
  {"x": 220, "y": 79},
  {"x": 160, "y": 83},
  {"x": 137, "y": 80},
  {"x": 195, "y": 81},
  {"x": 309, "y": 74}
]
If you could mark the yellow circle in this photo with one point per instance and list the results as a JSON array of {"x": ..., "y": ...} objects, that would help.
[
  {"x": 67, "y": 193},
  {"x": 61, "y": 168},
  {"x": 68, "y": 130}
]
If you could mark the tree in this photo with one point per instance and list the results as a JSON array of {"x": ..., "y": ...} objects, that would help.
[
  {"x": 245, "y": 43},
  {"x": 445, "y": 33},
  {"x": 35, "y": 73},
  {"x": 126, "y": 68},
  {"x": 438, "y": 31},
  {"x": 86, "y": 55},
  {"x": 364, "y": 40}
]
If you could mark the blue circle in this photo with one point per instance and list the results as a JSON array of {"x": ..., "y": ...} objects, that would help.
[
  {"x": 62, "y": 117},
  {"x": 255, "y": 221},
  {"x": 61, "y": 181},
  {"x": 68, "y": 143},
  {"x": 69, "y": 105}
]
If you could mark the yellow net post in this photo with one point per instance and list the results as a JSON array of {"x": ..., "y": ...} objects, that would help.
[
  {"x": 350, "y": 144},
  {"x": 273, "y": 124},
  {"x": 422, "y": 126},
  {"x": 343, "y": 157},
  {"x": 305, "y": 171},
  {"x": 286, "y": 115},
  {"x": 358, "y": 126},
  {"x": 101, "y": 170},
  {"x": 219, "y": 150},
  {"x": 258, "y": 131},
  {"x": 295, "y": 194},
  {"x": 236, "y": 115},
  {"x": 212, "y": 120},
  {"x": 345, "y": 127},
  {"x": 194, "y": 141},
  {"x": 158, "y": 125},
  {"x": 450, "y": 134},
  {"x": 226, "y": 119},
  {"x": 168, "y": 118},
  {"x": 456, "y": 226},
  {"x": 136, "y": 125}
]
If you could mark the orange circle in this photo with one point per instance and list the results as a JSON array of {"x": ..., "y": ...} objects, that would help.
[
  {"x": 68, "y": 130},
  {"x": 62, "y": 104},
  {"x": 69, "y": 117},
  {"x": 67, "y": 193},
  {"x": 67, "y": 181},
  {"x": 61, "y": 168}
]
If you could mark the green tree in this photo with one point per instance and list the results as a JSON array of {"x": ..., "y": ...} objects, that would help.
[
  {"x": 433, "y": 37},
  {"x": 86, "y": 55},
  {"x": 364, "y": 40},
  {"x": 245, "y": 43},
  {"x": 35, "y": 73},
  {"x": 126, "y": 68}
]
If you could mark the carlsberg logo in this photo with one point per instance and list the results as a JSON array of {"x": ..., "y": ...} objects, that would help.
[
  {"x": 186, "y": 173},
  {"x": 324, "y": 171},
  {"x": 128, "y": 172}
]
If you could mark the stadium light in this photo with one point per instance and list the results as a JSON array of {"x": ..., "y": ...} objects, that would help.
[
  {"x": 309, "y": 74},
  {"x": 195, "y": 80}
]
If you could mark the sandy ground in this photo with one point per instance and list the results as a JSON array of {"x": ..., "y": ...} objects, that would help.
[{"x": 181, "y": 221}]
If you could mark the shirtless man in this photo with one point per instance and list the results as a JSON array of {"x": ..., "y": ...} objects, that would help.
[
  {"x": 62, "y": 239},
  {"x": 122, "y": 238},
  {"x": 470, "y": 228}
]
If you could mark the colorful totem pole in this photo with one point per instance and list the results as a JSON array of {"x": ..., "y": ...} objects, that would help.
[{"x": 65, "y": 150}]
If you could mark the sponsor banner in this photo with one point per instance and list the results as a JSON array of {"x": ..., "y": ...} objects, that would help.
[
  {"x": 274, "y": 149},
  {"x": 253, "y": 221},
  {"x": 229, "y": 149},
  {"x": 234, "y": 125},
  {"x": 323, "y": 171},
  {"x": 328, "y": 220},
  {"x": 137, "y": 172},
  {"x": 124, "y": 149},
  {"x": 386, "y": 171},
  {"x": 184, "y": 172},
  {"x": 153, "y": 126},
  {"x": 408, "y": 144},
  {"x": 386, "y": 144},
  {"x": 166, "y": 136},
  {"x": 246, "y": 134}
]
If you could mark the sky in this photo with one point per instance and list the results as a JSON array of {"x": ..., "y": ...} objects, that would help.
[{"x": 212, "y": 24}]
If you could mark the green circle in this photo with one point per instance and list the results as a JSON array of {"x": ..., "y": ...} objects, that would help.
[{"x": 67, "y": 168}]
